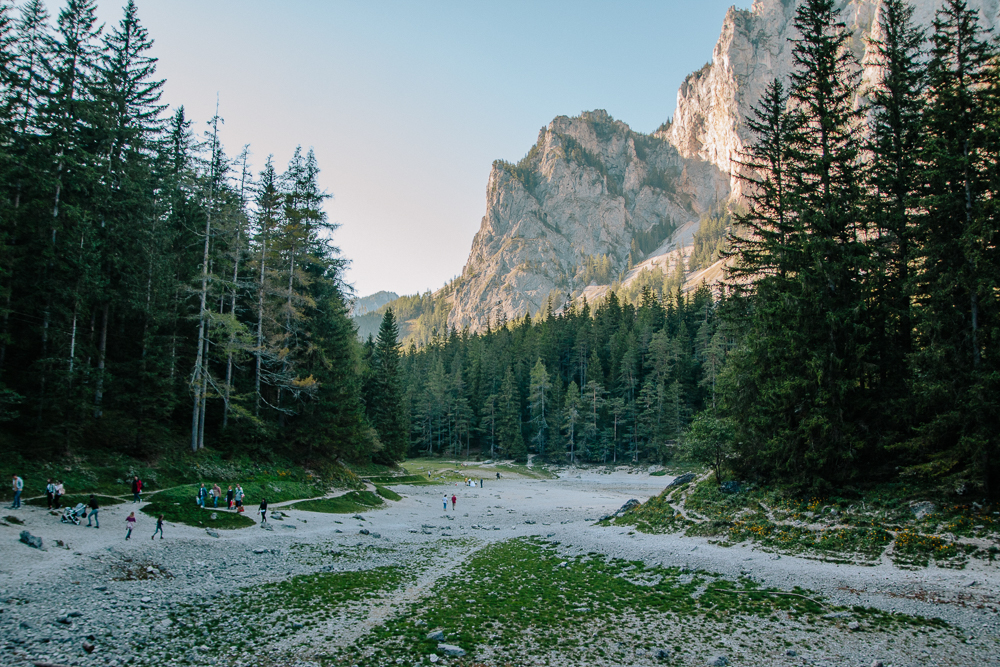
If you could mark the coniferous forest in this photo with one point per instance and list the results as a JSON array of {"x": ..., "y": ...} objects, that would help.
[
  {"x": 158, "y": 291},
  {"x": 856, "y": 337},
  {"x": 155, "y": 290}
]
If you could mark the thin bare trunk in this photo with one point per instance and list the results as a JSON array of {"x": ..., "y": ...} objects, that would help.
[
  {"x": 101, "y": 354},
  {"x": 260, "y": 319}
]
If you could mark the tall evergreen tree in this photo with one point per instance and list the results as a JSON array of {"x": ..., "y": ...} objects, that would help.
[{"x": 384, "y": 395}]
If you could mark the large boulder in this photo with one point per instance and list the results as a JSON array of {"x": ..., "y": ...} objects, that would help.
[
  {"x": 31, "y": 540},
  {"x": 683, "y": 479}
]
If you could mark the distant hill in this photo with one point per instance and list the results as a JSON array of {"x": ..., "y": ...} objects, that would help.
[
  {"x": 419, "y": 316},
  {"x": 371, "y": 303}
]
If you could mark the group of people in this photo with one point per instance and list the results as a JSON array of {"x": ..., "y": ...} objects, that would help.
[
  {"x": 54, "y": 491},
  {"x": 234, "y": 497}
]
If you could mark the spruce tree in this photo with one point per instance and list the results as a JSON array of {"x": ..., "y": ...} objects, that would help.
[
  {"x": 385, "y": 405},
  {"x": 957, "y": 318}
]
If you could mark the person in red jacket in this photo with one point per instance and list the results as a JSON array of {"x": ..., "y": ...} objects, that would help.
[
  {"x": 454, "y": 499},
  {"x": 136, "y": 489}
]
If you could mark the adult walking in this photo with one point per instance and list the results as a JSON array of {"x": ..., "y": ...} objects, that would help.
[
  {"x": 159, "y": 528},
  {"x": 94, "y": 509},
  {"x": 454, "y": 499},
  {"x": 238, "y": 497},
  {"x": 50, "y": 492},
  {"x": 17, "y": 486},
  {"x": 229, "y": 498},
  {"x": 263, "y": 511},
  {"x": 498, "y": 475},
  {"x": 136, "y": 489},
  {"x": 202, "y": 495},
  {"x": 129, "y": 525},
  {"x": 216, "y": 494},
  {"x": 444, "y": 502}
]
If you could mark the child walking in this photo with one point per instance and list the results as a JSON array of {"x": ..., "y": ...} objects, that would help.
[
  {"x": 159, "y": 528},
  {"x": 129, "y": 525}
]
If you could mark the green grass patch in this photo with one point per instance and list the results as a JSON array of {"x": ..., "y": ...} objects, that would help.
[
  {"x": 349, "y": 503},
  {"x": 415, "y": 480},
  {"x": 388, "y": 494},
  {"x": 71, "y": 499},
  {"x": 523, "y": 602},
  {"x": 179, "y": 506},
  {"x": 858, "y": 528}
]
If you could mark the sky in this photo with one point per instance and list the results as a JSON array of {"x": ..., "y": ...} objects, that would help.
[{"x": 407, "y": 104}]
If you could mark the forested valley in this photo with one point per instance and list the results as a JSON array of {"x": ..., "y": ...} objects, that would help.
[
  {"x": 855, "y": 339},
  {"x": 156, "y": 292}
]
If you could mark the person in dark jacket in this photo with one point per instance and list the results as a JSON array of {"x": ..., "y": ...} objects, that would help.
[
  {"x": 136, "y": 489},
  {"x": 159, "y": 528},
  {"x": 263, "y": 511},
  {"x": 94, "y": 509},
  {"x": 229, "y": 498}
]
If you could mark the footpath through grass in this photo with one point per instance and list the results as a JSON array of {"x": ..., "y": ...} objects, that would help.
[{"x": 894, "y": 521}]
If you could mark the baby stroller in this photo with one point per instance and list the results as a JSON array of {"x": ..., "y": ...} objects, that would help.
[{"x": 74, "y": 514}]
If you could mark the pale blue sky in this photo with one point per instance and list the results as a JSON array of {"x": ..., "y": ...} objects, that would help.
[{"x": 407, "y": 104}]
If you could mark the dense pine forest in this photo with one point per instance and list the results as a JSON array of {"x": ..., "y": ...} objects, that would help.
[
  {"x": 855, "y": 339},
  {"x": 155, "y": 291}
]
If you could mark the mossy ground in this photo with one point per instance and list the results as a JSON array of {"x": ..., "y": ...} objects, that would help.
[
  {"x": 518, "y": 602},
  {"x": 349, "y": 503},
  {"x": 452, "y": 470},
  {"x": 863, "y": 528}
]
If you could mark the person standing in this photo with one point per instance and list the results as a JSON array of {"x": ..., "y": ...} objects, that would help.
[
  {"x": 229, "y": 498},
  {"x": 202, "y": 495},
  {"x": 263, "y": 511},
  {"x": 480, "y": 482},
  {"x": 159, "y": 528},
  {"x": 238, "y": 497},
  {"x": 57, "y": 496},
  {"x": 498, "y": 475},
  {"x": 136, "y": 489},
  {"x": 50, "y": 492},
  {"x": 94, "y": 509},
  {"x": 129, "y": 525},
  {"x": 17, "y": 486},
  {"x": 444, "y": 501},
  {"x": 454, "y": 499},
  {"x": 216, "y": 494}
]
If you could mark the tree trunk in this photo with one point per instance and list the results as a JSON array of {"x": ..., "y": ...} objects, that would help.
[{"x": 101, "y": 354}]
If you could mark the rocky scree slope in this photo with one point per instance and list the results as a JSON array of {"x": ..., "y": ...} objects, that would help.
[{"x": 589, "y": 186}]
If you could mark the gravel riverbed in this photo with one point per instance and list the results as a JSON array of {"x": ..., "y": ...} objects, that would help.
[{"x": 99, "y": 600}]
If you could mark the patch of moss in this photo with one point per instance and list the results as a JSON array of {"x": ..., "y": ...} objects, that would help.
[{"x": 349, "y": 503}]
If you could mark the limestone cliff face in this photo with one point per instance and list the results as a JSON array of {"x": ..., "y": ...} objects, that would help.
[
  {"x": 753, "y": 49},
  {"x": 590, "y": 186}
]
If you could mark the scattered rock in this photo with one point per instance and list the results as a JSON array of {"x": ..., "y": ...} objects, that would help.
[
  {"x": 433, "y": 657},
  {"x": 261, "y": 551},
  {"x": 289, "y": 525},
  {"x": 730, "y": 487},
  {"x": 683, "y": 479},
  {"x": 661, "y": 654},
  {"x": 14, "y": 520},
  {"x": 718, "y": 661},
  {"x": 74, "y": 614},
  {"x": 922, "y": 508},
  {"x": 853, "y": 626},
  {"x": 365, "y": 531},
  {"x": 451, "y": 650},
  {"x": 791, "y": 653},
  {"x": 358, "y": 517},
  {"x": 267, "y": 526},
  {"x": 31, "y": 540},
  {"x": 529, "y": 522},
  {"x": 214, "y": 516},
  {"x": 65, "y": 620},
  {"x": 297, "y": 626},
  {"x": 376, "y": 535},
  {"x": 632, "y": 502},
  {"x": 436, "y": 636},
  {"x": 211, "y": 533},
  {"x": 876, "y": 663},
  {"x": 88, "y": 647}
]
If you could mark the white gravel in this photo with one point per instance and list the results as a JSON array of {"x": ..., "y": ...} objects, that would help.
[{"x": 40, "y": 591}]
